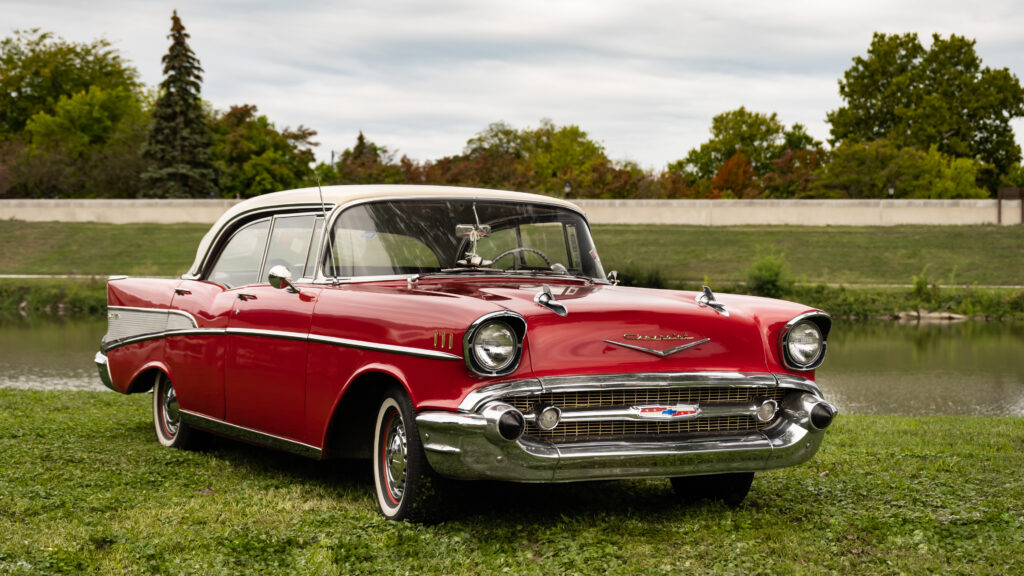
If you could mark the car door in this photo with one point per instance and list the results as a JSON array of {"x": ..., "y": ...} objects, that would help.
[{"x": 265, "y": 368}]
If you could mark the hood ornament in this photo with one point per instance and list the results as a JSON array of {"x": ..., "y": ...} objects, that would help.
[
  {"x": 707, "y": 298},
  {"x": 659, "y": 353},
  {"x": 546, "y": 299}
]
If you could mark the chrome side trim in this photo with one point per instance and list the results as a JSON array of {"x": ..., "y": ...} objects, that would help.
[
  {"x": 535, "y": 386},
  {"x": 250, "y": 435},
  {"x": 391, "y": 348},
  {"x": 280, "y": 334},
  {"x": 104, "y": 368}
]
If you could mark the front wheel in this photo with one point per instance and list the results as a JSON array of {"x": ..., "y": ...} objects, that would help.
[
  {"x": 728, "y": 488},
  {"x": 170, "y": 430},
  {"x": 406, "y": 487}
]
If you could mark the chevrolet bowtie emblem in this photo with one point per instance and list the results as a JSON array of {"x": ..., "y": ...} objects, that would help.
[{"x": 659, "y": 353}]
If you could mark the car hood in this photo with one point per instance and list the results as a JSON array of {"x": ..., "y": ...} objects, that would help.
[{"x": 612, "y": 329}]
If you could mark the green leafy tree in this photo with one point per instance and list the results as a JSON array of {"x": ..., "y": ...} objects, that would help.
[
  {"x": 179, "y": 138},
  {"x": 365, "y": 163},
  {"x": 760, "y": 137},
  {"x": 254, "y": 158},
  {"x": 869, "y": 169},
  {"x": 88, "y": 147},
  {"x": 940, "y": 96},
  {"x": 37, "y": 69},
  {"x": 556, "y": 155}
]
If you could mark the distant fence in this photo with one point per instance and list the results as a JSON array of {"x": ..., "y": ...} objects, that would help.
[{"x": 684, "y": 212}]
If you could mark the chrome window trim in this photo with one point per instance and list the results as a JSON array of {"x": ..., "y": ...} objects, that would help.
[
  {"x": 535, "y": 386},
  {"x": 284, "y": 335},
  {"x": 321, "y": 278},
  {"x": 283, "y": 209},
  {"x": 784, "y": 334},
  {"x": 519, "y": 326},
  {"x": 250, "y": 435}
]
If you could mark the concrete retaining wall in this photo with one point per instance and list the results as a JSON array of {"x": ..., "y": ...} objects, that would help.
[{"x": 687, "y": 212}]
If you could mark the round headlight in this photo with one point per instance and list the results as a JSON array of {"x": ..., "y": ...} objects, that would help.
[
  {"x": 804, "y": 343},
  {"x": 494, "y": 346}
]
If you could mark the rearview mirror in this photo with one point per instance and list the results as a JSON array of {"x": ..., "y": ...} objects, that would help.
[{"x": 468, "y": 230}]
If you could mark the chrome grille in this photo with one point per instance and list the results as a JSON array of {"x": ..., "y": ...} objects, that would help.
[{"x": 608, "y": 398}]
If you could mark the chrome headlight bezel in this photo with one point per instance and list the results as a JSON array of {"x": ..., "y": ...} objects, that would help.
[
  {"x": 822, "y": 322},
  {"x": 514, "y": 322}
]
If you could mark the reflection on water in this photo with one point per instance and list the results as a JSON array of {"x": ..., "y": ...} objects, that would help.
[
  {"x": 872, "y": 368},
  {"x": 50, "y": 355},
  {"x": 885, "y": 368}
]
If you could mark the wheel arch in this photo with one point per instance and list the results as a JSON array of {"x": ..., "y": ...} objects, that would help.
[
  {"x": 349, "y": 432},
  {"x": 145, "y": 378}
]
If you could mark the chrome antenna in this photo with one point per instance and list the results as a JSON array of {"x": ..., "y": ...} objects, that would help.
[{"x": 323, "y": 209}]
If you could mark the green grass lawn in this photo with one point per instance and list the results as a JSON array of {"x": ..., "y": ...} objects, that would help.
[
  {"x": 84, "y": 488},
  {"x": 986, "y": 255}
]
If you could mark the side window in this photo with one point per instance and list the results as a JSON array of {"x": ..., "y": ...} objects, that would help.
[
  {"x": 289, "y": 243},
  {"x": 239, "y": 262},
  {"x": 314, "y": 246}
]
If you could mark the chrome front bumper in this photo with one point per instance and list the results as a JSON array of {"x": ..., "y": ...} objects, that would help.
[{"x": 463, "y": 445}]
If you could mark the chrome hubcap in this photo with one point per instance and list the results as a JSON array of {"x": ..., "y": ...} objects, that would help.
[
  {"x": 394, "y": 457},
  {"x": 171, "y": 414}
]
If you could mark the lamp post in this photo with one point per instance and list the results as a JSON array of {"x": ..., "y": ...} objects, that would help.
[{"x": 567, "y": 189}]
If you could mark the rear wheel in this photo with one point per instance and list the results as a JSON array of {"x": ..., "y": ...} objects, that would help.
[
  {"x": 728, "y": 488},
  {"x": 170, "y": 430},
  {"x": 405, "y": 485}
]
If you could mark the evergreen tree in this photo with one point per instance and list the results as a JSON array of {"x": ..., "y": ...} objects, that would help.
[{"x": 179, "y": 138}]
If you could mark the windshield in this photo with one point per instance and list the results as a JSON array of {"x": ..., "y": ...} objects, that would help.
[{"x": 423, "y": 236}]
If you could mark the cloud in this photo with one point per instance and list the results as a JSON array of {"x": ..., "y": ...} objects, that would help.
[{"x": 644, "y": 77}]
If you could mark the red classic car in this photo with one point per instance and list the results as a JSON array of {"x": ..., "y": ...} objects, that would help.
[{"x": 467, "y": 334}]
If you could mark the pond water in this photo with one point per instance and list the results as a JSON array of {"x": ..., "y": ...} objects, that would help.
[{"x": 872, "y": 368}]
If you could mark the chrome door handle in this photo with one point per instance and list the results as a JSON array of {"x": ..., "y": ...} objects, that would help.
[
  {"x": 246, "y": 297},
  {"x": 181, "y": 291}
]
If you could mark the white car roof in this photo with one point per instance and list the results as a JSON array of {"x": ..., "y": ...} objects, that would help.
[{"x": 335, "y": 196}]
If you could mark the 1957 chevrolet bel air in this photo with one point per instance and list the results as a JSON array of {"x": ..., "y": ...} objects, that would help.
[{"x": 466, "y": 334}]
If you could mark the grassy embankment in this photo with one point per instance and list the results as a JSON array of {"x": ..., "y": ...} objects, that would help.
[
  {"x": 84, "y": 488},
  {"x": 835, "y": 268}
]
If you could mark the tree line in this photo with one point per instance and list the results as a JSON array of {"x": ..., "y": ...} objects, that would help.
[{"x": 917, "y": 122}]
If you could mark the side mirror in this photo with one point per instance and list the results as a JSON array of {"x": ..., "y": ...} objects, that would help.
[
  {"x": 613, "y": 277},
  {"x": 280, "y": 277}
]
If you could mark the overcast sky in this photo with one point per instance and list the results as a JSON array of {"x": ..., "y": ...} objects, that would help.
[{"x": 644, "y": 78}]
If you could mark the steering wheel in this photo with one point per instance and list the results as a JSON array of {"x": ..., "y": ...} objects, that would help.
[{"x": 514, "y": 250}]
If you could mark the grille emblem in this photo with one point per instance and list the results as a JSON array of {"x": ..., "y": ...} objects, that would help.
[
  {"x": 659, "y": 353},
  {"x": 658, "y": 412}
]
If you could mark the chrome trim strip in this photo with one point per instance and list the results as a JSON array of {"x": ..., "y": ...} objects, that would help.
[
  {"x": 535, "y": 386},
  {"x": 104, "y": 369},
  {"x": 403, "y": 350},
  {"x": 250, "y": 435},
  {"x": 342, "y": 342},
  {"x": 630, "y": 413}
]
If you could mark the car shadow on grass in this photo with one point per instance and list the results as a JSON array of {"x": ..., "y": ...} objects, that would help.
[{"x": 470, "y": 501}]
